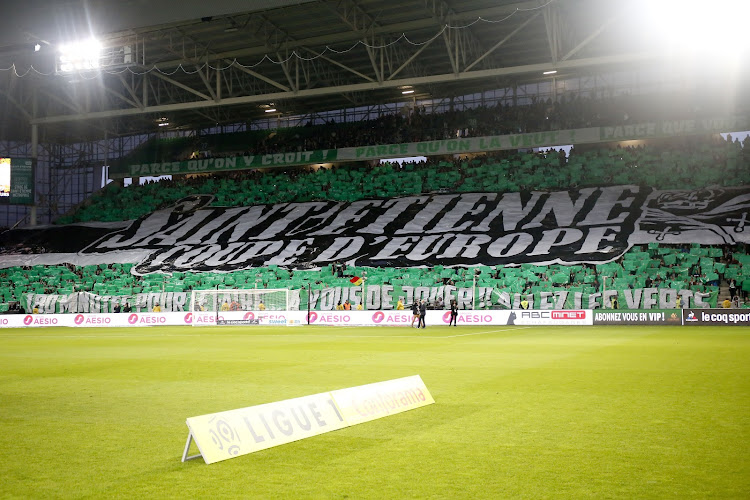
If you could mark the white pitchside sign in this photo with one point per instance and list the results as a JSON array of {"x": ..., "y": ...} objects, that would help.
[
  {"x": 220, "y": 436},
  {"x": 294, "y": 318}
]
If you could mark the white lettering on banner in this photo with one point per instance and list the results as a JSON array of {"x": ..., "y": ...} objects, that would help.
[
  {"x": 716, "y": 317},
  {"x": 590, "y": 225},
  {"x": 461, "y": 229},
  {"x": 379, "y": 297}
]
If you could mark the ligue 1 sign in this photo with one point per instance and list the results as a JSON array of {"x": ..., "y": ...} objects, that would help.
[{"x": 229, "y": 434}]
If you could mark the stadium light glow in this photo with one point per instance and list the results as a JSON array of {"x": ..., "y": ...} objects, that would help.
[
  {"x": 696, "y": 27},
  {"x": 407, "y": 91},
  {"x": 552, "y": 72},
  {"x": 270, "y": 110},
  {"x": 78, "y": 56}
]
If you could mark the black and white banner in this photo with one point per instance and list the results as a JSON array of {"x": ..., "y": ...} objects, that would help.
[
  {"x": 590, "y": 225},
  {"x": 373, "y": 297}
]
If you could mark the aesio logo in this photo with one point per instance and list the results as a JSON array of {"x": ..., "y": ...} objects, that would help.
[{"x": 378, "y": 317}]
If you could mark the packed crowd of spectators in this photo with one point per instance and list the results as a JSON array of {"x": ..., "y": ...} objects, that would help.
[
  {"x": 701, "y": 269},
  {"x": 679, "y": 164}
]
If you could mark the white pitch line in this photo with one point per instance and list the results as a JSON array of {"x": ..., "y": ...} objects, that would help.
[{"x": 489, "y": 331}]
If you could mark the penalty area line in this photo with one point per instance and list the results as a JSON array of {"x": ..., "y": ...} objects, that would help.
[{"x": 489, "y": 331}]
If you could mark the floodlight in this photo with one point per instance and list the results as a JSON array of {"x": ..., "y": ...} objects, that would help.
[
  {"x": 270, "y": 110},
  {"x": 79, "y": 56},
  {"x": 37, "y": 47},
  {"x": 552, "y": 72},
  {"x": 407, "y": 91}
]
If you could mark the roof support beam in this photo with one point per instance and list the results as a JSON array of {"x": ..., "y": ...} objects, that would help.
[
  {"x": 362, "y": 23},
  {"x": 465, "y": 40},
  {"x": 449, "y": 48},
  {"x": 411, "y": 58},
  {"x": 130, "y": 90},
  {"x": 13, "y": 101},
  {"x": 218, "y": 86},
  {"x": 589, "y": 38},
  {"x": 181, "y": 85},
  {"x": 502, "y": 42},
  {"x": 205, "y": 81},
  {"x": 360, "y": 87},
  {"x": 121, "y": 97},
  {"x": 68, "y": 103},
  {"x": 260, "y": 77},
  {"x": 350, "y": 36},
  {"x": 340, "y": 65},
  {"x": 371, "y": 53},
  {"x": 145, "y": 84},
  {"x": 285, "y": 69},
  {"x": 552, "y": 25}
]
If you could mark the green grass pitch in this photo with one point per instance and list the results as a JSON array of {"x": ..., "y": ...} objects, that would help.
[{"x": 543, "y": 412}]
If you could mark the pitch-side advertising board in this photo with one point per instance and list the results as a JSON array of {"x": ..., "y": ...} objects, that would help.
[
  {"x": 228, "y": 434},
  {"x": 715, "y": 317},
  {"x": 636, "y": 317},
  {"x": 335, "y": 318}
]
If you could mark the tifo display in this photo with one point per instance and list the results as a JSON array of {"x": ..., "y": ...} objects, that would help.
[{"x": 648, "y": 277}]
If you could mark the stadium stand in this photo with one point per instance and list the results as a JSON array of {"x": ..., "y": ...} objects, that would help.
[
  {"x": 679, "y": 164},
  {"x": 685, "y": 164},
  {"x": 695, "y": 268},
  {"x": 418, "y": 125}
]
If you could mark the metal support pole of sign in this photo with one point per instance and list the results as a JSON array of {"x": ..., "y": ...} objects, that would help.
[
  {"x": 34, "y": 163},
  {"x": 185, "y": 456}
]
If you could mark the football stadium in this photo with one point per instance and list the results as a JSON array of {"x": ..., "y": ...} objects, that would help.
[{"x": 369, "y": 249}]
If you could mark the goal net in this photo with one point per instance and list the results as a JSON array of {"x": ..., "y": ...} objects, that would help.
[{"x": 240, "y": 307}]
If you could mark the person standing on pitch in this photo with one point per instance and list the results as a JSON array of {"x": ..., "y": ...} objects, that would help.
[
  {"x": 454, "y": 314},
  {"x": 415, "y": 314},
  {"x": 422, "y": 313}
]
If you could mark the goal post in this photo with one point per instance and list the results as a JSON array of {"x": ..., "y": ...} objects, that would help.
[{"x": 242, "y": 307}]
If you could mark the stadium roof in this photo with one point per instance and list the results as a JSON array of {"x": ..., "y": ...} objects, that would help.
[{"x": 201, "y": 63}]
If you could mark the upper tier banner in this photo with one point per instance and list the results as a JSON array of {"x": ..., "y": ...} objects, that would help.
[
  {"x": 590, "y": 225},
  {"x": 591, "y": 135}
]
